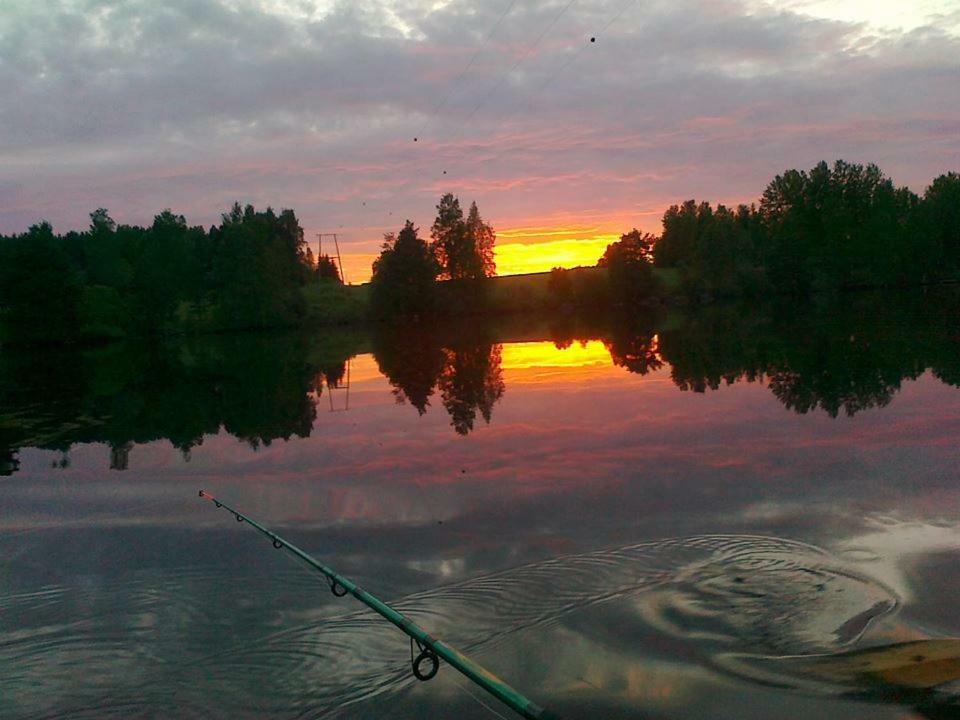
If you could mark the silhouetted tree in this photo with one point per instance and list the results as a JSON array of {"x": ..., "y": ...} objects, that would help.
[
  {"x": 463, "y": 248},
  {"x": 830, "y": 228},
  {"x": 835, "y": 227},
  {"x": 481, "y": 239},
  {"x": 106, "y": 252},
  {"x": 449, "y": 239},
  {"x": 259, "y": 266},
  {"x": 38, "y": 286},
  {"x": 629, "y": 267},
  {"x": 122, "y": 279},
  {"x": 166, "y": 270},
  {"x": 403, "y": 275},
  {"x": 560, "y": 286},
  {"x": 327, "y": 269},
  {"x": 937, "y": 227}
]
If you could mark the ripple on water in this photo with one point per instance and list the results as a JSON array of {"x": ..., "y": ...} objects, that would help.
[{"x": 764, "y": 595}]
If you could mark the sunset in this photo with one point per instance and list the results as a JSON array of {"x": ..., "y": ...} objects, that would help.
[
  {"x": 427, "y": 359},
  {"x": 511, "y": 105}
]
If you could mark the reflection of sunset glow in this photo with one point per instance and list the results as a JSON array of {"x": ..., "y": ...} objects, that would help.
[
  {"x": 522, "y": 356},
  {"x": 363, "y": 368}
]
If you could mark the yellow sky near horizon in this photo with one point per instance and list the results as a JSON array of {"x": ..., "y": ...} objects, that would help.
[{"x": 521, "y": 250}]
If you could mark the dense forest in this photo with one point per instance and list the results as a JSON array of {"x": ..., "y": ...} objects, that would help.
[
  {"x": 112, "y": 281},
  {"x": 829, "y": 229}
]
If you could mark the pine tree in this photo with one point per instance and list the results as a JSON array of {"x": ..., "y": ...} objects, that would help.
[
  {"x": 448, "y": 234},
  {"x": 481, "y": 239}
]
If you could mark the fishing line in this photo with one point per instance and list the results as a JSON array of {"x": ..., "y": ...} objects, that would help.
[
  {"x": 479, "y": 700},
  {"x": 534, "y": 96},
  {"x": 576, "y": 55},
  {"x": 518, "y": 63},
  {"x": 476, "y": 53},
  {"x": 431, "y": 650},
  {"x": 489, "y": 93}
]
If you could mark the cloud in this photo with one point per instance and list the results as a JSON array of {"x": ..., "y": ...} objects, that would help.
[{"x": 193, "y": 104}]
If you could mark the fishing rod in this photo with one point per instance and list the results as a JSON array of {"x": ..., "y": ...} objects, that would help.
[{"x": 431, "y": 649}]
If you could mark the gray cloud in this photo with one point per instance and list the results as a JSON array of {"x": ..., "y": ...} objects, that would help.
[{"x": 140, "y": 105}]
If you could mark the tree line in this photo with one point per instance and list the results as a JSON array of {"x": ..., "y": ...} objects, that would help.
[
  {"x": 832, "y": 228},
  {"x": 115, "y": 280},
  {"x": 250, "y": 271}
]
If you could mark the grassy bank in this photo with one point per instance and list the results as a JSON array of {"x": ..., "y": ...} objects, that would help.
[
  {"x": 329, "y": 303},
  {"x": 532, "y": 291}
]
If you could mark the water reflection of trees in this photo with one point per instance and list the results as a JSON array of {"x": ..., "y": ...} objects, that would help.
[
  {"x": 471, "y": 382},
  {"x": 258, "y": 388},
  {"x": 634, "y": 346},
  {"x": 463, "y": 366},
  {"x": 844, "y": 355},
  {"x": 411, "y": 358},
  {"x": 840, "y": 356}
]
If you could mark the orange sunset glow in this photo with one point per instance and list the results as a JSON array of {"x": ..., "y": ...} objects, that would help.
[
  {"x": 525, "y": 249},
  {"x": 538, "y": 249}
]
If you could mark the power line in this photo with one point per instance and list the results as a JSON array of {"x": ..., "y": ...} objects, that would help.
[
  {"x": 519, "y": 62},
  {"x": 534, "y": 96},
  {"x": 456, "y": 82}
]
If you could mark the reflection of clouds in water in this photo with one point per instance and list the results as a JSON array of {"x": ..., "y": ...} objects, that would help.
[
  {"x": 886, "y": 549},
  {"x": 761, "y": 594}
]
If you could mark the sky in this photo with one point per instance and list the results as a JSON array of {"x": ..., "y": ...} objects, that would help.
[{"x": 564, "y": 143}]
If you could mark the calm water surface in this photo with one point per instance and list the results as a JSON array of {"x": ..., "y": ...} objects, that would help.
[{"x": 672, "y": 517}]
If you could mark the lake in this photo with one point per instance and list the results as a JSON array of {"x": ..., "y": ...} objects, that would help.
[{"x": 690, "y": 513}]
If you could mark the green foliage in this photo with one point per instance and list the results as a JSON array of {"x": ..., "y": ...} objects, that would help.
[
  {"x": 836, "y": 227},
  {"x": 166, "y": 272},
  {"x": 332, "y": 303},
  {"x": 831, "y": 228},
  {"x": 259, "y": 264},
  {"x": 39, "y": 288},
  {"x": 629, "y": 267},
  {"x": 714, "y": 250},
  {"x": 463, "y": 248},
  {"x": 103, "y": 314},
  {"x": 106, "y": 250},
  {"x": 116, "y": 280},
  {"x": 404, "y": 275},
  {"x": 327, "y": 269},
  {"x": 938, "y": 224}
]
